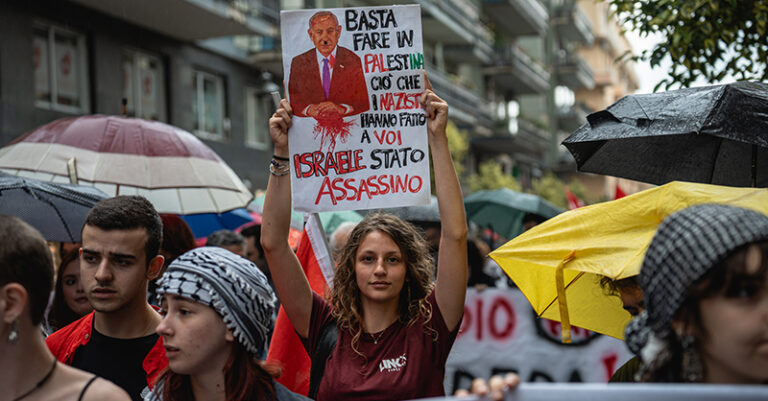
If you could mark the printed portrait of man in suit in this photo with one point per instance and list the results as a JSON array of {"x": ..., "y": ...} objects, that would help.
[{"x": 327, "y": 81}]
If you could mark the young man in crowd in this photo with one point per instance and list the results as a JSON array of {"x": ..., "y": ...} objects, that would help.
[{"x": 119, "y": 255}]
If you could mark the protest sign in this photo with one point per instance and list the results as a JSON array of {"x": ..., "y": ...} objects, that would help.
[
  {"x": 501, "y": 333},
  {"x": 626, "y": 392},
  {"x": 354, "y": 77}
]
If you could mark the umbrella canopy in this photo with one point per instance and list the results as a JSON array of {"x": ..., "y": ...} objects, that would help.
[
  {"x": 503, "y": 209},
  {"x": 129, "y": 156},
  {"x": 58, "y": 211},
  {"x": 204, "y": 224},
  {"x": 713, "y": 134},
  {"x": 331, "y": 220},
  {"x": 415, "y": 214},
  {"x": 558, "y": 263}
]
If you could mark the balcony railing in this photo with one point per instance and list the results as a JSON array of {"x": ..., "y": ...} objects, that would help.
[
  {"x": 570, "y": 118},
  {"x": 517, "y": 17},
  {"x": 517, "y": 72},
  {"x": 193, "y": 20},
  {"x": 466, "y": 105},
  {"x": 574, "y": 72},
  {"x": 573, "y": 25}
]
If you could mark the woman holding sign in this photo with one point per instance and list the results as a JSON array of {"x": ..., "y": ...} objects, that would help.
[{"x": 395, "y": 326}]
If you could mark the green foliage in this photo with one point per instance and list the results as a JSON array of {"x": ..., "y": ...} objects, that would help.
[
  {"x": 459, "y": 145},
  {"x": 491, "y": 176},
  {"x": 552, "y": 189},
  {"x": 708, "y": 39}
]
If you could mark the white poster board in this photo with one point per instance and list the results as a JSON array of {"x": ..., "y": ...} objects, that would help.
[
  {"x": 501, "y": 333},
  {"x": 626, "y": 392},
  {"x": 354, "y": 79}
]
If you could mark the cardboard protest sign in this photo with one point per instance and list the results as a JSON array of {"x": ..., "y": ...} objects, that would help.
[{"x": 354, "y": 77}]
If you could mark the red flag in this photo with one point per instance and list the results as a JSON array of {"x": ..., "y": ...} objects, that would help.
[
  {"x": 619, "y": 192},
  {"x": 286, "y": 347},
  {"x": 573, "y": 201}
]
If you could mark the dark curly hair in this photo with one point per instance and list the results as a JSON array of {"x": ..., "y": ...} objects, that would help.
[{"x": 419, "y": 283}]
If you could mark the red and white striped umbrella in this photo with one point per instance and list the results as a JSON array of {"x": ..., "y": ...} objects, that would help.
[{"x": 129, "y": 156}]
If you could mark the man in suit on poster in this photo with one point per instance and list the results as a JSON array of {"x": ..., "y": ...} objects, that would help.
[{"x": 327, "y": 80}]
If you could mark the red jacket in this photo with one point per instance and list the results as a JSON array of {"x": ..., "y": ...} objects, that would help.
[{"x": 64, "y": 342}]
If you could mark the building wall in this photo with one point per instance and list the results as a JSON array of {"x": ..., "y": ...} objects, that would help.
[{"x": 106, "y": 39}]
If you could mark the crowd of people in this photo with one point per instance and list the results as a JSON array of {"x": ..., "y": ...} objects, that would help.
[{"x": 383, "y": 331}]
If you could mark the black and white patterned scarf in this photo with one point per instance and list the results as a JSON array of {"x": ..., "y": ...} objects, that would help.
[
  {"x": 233, "y": 286},
  {"x": 686, "y": 246}
]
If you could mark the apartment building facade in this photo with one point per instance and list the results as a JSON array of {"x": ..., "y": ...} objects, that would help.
[{"x": 207, "y": 66}]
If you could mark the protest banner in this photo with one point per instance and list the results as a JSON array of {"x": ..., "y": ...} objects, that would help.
[
  {"x": 501, "y": 333},
  {"x": 626, "y": 392},
  {"x": 354, "y": 77}
]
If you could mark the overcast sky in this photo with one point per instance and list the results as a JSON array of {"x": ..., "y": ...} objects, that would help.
[{"x": 648, "y": 77}]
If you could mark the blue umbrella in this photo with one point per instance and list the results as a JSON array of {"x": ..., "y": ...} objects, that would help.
[{"x": 203, "y": 224}]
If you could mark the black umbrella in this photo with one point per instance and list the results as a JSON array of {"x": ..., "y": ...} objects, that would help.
[
  {"x": 714, "y": 134},
  {"x": 58, "y": 211}
]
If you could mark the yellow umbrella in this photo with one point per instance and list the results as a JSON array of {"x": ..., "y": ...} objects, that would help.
[{"x": 557, "y": 264}]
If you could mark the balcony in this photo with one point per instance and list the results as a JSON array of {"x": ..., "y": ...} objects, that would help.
[
  {"x": 516, "y": 72},
  {"x": 192, "y": 20},
  {"x": 451, "y": 22},
  {"x": 573, "y": 25},
  {"x": 517, "y": 17},
  {"x": 466, "y": 107},
  {"x": 529, "y": 140},
  {"x": 570, "y": 118},
  {"x": 574, "y": 72}
]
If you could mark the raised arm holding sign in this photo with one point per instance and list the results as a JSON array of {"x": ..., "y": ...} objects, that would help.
[{"x": 396, "y": 327}]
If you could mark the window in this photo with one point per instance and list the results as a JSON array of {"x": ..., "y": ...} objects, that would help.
[
  {"x": 208, "y": 106},
  {"x": 59, "y": 62},
  {"x": 258, "y": 109},
  {"x": 143, "y": 85}
]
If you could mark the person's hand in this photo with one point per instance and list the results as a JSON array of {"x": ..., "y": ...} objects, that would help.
[
  {"x": 495, "y": 388},
  {"x": 278, "y": 127},
  {"x": 325, "y": 109},
  {"x": 436, "y": 110}
]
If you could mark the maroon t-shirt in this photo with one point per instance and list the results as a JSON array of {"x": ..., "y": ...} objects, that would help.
[{"x": 404, "y": 362}]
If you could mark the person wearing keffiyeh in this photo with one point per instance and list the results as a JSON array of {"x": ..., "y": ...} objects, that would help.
[
  {"x": 217, "y": 308},
  {"x": 705, "y": 278}
]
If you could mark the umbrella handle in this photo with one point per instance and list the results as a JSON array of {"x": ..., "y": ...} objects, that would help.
[
  {"x": 562, "y": 301},
  {"x": 72, "y": 170}
]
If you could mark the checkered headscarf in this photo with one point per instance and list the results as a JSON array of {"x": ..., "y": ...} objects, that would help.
[
  {"x": 233, "y": 286},
  {"x": 686, "y": 246}
]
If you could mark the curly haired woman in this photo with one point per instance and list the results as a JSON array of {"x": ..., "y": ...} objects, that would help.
[{"x": 396, "y": 327}]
